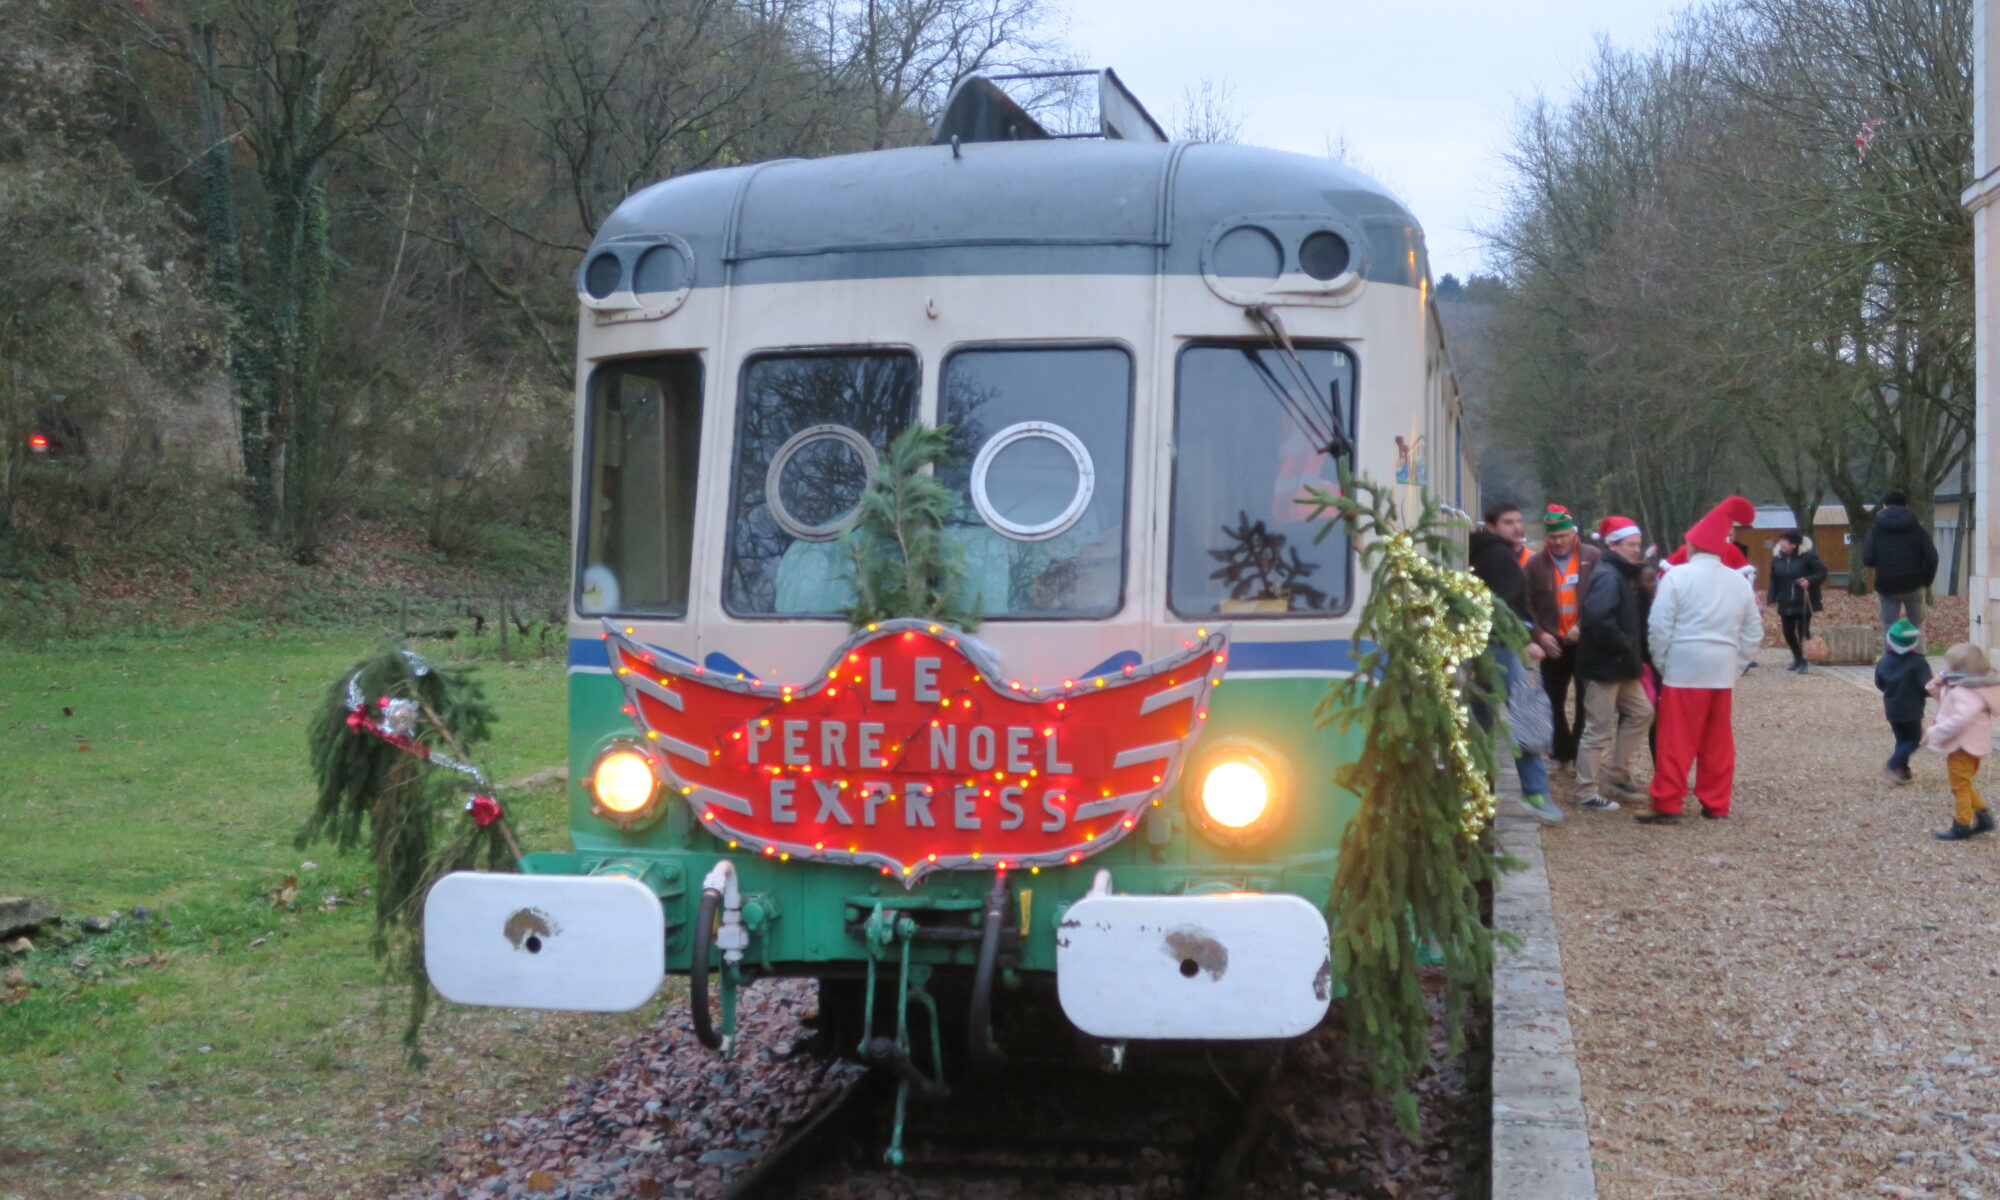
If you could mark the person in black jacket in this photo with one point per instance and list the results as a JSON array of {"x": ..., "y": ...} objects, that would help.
[
  {"x": 1611, "y": 655},
  {"x": 1900, "y": 676},
  {"x": 1796, "y": 575},
  {"x": 1494, "y": 555},
  {"x": 1904, "y": 558}
]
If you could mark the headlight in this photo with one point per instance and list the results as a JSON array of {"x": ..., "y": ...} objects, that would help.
[
  {"x": 623, "y": 783},
  {"x": 1237, "y": 792}
]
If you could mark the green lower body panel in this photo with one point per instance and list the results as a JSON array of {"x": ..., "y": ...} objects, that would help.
[{"x": 807, "y": 918}]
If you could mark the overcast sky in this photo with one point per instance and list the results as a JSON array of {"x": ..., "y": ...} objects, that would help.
[{"x": 1424, "y": 91}]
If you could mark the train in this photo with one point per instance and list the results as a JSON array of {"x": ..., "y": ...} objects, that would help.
[{"x": 1111, "y": 798}]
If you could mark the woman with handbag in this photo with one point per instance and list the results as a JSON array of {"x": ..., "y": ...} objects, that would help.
[{"x": 1796, "y": 576}]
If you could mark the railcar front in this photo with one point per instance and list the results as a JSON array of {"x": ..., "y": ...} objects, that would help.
[{"x": 1114, "y": 788}]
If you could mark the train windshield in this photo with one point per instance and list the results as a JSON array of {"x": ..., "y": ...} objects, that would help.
[
  {"x": 810, "y": 430},
  {"x": 644, "y": 440},
  {"x": 1241, "y": 542},
  {"x": 1040, "y": 442}
]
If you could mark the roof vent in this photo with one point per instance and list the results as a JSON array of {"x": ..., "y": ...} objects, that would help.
[{"x": 979, "y": 110}]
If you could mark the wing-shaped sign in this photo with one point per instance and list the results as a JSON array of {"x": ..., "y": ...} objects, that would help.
[{"x": 911, "y": 753}]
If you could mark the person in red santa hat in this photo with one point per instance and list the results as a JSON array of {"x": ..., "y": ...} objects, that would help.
[
  {"x": 1703, "y": 630},
  {"x": 1611, "y": 657}
]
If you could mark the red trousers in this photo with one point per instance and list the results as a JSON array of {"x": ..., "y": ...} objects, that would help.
[{"x": 1694, "y": 733}]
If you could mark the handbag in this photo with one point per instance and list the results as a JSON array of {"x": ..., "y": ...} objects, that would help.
[
  {"x": 1529, "y": 716},
  {"x": 1815, "y": 648}
]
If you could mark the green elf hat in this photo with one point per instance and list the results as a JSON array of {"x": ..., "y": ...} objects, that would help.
[
  {"x": 1904, "y": 636},
  {"x": 1557, "y": 519}
]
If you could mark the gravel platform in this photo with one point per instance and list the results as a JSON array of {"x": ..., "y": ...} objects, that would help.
[{"x": 1797, "y": 1001}]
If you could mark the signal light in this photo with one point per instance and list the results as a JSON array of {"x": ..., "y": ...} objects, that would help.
[
  {"x": 1238, "y": 793},
  {"x": 1235, "y": 794},
  {"x": 623, "y": 783}
]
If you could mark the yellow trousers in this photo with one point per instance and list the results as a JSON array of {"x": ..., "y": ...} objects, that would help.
[{"x": 1965, "y": 798}]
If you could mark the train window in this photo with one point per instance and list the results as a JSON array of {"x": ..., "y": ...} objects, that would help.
[
  {"x": 1241, "y": 542},
  {"x": 809, "y": 429},
  {"x": 1040, "y": 441},
  {"x": 644, "y": 444}
]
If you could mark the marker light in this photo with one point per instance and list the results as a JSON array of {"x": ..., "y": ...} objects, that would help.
[
  {"x": 1235, "y": 794},
  {"x": 623, "y": 782}
]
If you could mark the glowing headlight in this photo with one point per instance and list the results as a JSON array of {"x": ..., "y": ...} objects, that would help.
[
  {"x": 623, "y": 782},
  {"x": 1235, "y": 794}
]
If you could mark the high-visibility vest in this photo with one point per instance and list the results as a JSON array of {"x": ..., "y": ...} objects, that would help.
[
  {"x": 1565, "y": 580},
  {"x": 1522, "y": 554}
]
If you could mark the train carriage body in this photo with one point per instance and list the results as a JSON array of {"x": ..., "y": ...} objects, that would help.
[{"x": 1118, "y": 333}]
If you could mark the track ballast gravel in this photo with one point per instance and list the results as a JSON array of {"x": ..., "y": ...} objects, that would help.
[{"x": 665, "y": 1118}]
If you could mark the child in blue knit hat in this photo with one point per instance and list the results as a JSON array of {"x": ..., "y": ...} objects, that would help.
[{"x": 1901, "y": 675}]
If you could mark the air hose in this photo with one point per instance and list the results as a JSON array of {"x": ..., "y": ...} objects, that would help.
[
  {"x": 985, "y": 1053},
  {"x": 704, "y": 935}
]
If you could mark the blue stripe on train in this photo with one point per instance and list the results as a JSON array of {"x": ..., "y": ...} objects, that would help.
[
  {"x": 1333, "y": 654},
  {"x": 589, "y": 654}
]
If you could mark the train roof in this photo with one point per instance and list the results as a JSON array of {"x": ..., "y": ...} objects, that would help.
[{"x": 1047, "y": 206}]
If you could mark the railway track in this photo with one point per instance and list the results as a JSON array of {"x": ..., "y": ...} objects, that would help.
[{"x": 1164, "y": 1128}]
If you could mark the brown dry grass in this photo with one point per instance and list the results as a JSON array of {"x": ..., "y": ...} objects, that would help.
[{"x": 1798, "y": 1001}]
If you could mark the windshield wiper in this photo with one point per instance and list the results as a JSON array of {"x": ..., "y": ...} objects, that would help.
[{"x": 1329, "y": 437}]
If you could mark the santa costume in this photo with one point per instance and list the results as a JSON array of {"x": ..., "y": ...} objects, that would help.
[{"x": 1704, "y": 630}]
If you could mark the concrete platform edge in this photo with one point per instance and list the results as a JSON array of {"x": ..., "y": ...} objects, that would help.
[{"x": 1541, "y": 1133}]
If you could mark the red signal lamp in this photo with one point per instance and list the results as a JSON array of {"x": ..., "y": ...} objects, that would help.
[{"x": 38, "y": 442}]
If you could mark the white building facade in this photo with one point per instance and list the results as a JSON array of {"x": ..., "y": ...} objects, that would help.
[{"x": 1984, "y": 592}]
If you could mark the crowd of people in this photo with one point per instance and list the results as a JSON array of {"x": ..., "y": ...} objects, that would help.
[{"x": 1628, "y": 649}]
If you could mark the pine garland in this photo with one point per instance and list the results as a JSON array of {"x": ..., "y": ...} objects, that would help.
[
  {"x": 412, "y": 812},
  {"x": 904, "y": 564},
  {"x": 1412, "y": 862}
]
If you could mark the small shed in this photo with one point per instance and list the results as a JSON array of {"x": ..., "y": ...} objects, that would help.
[
  {"x": 1834, "y": 540},
  {"x": 1830, "y": 534}
]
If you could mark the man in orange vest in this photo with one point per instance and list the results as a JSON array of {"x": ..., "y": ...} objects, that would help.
[{"x": 1558, "y": 577}]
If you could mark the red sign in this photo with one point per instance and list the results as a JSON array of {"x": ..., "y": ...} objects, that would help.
[{"x": 910, "y": 752}]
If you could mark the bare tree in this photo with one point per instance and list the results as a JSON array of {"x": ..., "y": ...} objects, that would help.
[
  {"x": 1748, "y": 239},
  {"x": 1207, "y": 111},
  {"x": 903, "y": 56}
]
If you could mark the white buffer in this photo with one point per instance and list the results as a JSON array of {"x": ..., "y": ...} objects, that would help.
[
  {"x": 575, "y": 943},
  {"x": 1228, "y": 967}
]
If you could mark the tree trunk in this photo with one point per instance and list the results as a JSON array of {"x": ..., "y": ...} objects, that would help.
[
  {"x": 1860, "y": 520},
  {"x": 225, "y": 266},
  {"x": 306, "y": 438}
]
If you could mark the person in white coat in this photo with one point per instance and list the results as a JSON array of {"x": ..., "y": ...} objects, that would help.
[{"x": 1703, "y": 630}]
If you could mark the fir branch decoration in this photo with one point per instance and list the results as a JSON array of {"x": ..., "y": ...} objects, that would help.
[
  {"x": 904, "y": 564},
  {"x": 1412, "y": 862},
  {"x": 411, "y": 812}
]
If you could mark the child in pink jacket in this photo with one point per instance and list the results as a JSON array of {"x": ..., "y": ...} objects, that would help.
[{"x": 1968, "y": 695}]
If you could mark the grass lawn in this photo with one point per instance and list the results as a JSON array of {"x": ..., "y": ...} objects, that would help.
[{"x": 229, "y": 1045}]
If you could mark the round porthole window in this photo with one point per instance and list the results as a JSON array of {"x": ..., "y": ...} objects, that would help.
[
  {"x": 816, "y": 480},
  {"x": 602, "y": 276},
  {"x": 1324, "y": 255},
  {"x": 1032, "y": 480}
]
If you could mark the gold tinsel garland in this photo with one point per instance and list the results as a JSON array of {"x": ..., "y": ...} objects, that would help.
[{"x": 1453, "y": 614}]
